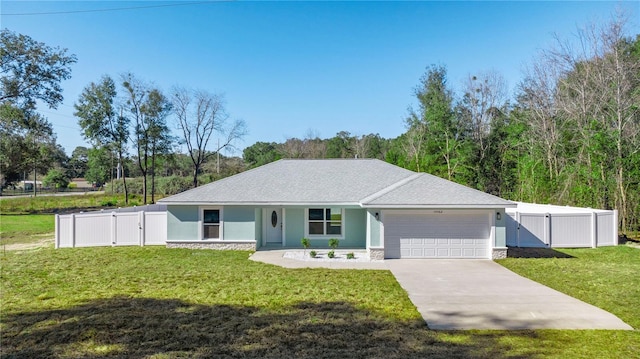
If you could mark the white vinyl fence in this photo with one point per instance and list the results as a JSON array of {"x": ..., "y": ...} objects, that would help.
[
  {"x": 536, "y": 225},
  {"x": 134, "y": 226}
]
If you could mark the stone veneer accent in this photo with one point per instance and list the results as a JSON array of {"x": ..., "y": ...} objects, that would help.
[
  {"x": 499, "y": 253},
  {"x": 376, "y": 254},
  {"x": 238, "y": 246}
]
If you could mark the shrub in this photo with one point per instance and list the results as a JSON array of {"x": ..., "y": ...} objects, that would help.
[
  {"x": 331, "y": 254},
  {"x": 305, "y": 242},
  {"x": 109, "y": 202},
  {"x": 333, "y": 243},
  {"x": 350, "y": 255},
  {"x": 313, "y": 254},
  {"x": 72, "y": 185}
]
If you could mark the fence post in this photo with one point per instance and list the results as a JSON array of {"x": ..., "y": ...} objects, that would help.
[
  {"x": 73, "y": 230},
  {"x": 57, "y": 245},
  {"x": 615, "y": 226},
  {"x": 114, "y": 228},
  {"x": 547, "y": 229},
  {"x": 141, "y": 225},
  {"x": 594, "y": 229}
]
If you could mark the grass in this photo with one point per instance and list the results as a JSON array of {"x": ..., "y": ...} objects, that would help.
[
  {"x": 154, "y": 302},
  {"x": 63, "y": 204},
  {"x": 25, "y": 228}
]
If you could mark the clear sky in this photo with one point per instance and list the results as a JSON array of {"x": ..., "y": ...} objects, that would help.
[{"x": 288, "y": 68}]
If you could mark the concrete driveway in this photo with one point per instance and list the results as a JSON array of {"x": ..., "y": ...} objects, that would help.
[{"x": 481, "y": 294}]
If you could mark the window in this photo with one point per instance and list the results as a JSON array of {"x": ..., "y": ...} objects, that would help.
[
  {"x": 211, "y": 223},
  {"x": 324, "y": 221}
]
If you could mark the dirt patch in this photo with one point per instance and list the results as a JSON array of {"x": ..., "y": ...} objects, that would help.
[{"x": 45, "y": 242}]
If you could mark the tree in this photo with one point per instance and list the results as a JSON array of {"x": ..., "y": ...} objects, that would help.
[
  {"x": 56, "y": 178},
  {"x": 437, "y": 139},
  {"x": 78, "y": 162},
  {"x": 149, "y": 109},
  {"x": 100, "y": 122},
  {"x": 32, "y": 71},
  {"x": 200, "y": 114},
  {"x": 99, "y": 166},
  {"x": 261, "y": 153}
]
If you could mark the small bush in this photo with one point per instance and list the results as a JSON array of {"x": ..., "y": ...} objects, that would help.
[
  {"x": 333, "y": 243},
  {"x": 305, "y": 242},
  {"x": 331, "y": 254},
  {"x": 72, "y": 185},
  {"x": 350, "y": 255},
  {"x": 109, "y": 202},
  {"x": 313, "y": 254}
]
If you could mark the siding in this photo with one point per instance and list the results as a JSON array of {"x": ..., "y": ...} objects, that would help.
[
  {"x": 294, "y": 227},
  {"x": 239, "y": 223},
  {"x": 374, "y": 229},
  {"x": 182, "y": 223},
  {"x": 355, "y": 229}
]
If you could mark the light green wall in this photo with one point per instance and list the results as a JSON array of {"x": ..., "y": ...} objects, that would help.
[
  {"x": 355, "y": 229},
  {"x": 294, "y": 226},
  {"x": 239, "y": 223},
  {"x": 258, "y": 226},
  {"x": 182, "y": 223},
  {"x": 374, "y": 229},
  {"x": 355, "y": 235},
  {"x": 501, "y": 229}
]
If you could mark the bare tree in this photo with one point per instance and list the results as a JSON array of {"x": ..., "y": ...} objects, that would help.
[
  {"x": 200, "y": 114},
  {"x": 483, "y": 94}
]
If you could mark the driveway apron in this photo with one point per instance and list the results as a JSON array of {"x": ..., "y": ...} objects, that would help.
[{"x": 481, "y": 294}]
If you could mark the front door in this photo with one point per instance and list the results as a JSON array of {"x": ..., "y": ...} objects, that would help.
[{"x": 273, "y": 224}]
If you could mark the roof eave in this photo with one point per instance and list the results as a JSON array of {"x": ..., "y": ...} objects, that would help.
[{"x": 439, "y": 206}]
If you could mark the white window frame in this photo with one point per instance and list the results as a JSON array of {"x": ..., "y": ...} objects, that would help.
[
  {"x": 201, "y": 224},
  {"x": 323, "y": 236}
]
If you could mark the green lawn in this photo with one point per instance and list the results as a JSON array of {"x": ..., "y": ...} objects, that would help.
[
  {"x": 154, "y": 302},
  {"x": 26, "y": 228}
]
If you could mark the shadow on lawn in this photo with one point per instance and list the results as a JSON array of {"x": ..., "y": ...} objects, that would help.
[
  {"x": 143, "y": 328},
  {"x": 516, "y": 252}
]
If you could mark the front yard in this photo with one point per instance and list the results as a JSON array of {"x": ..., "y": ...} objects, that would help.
[{"x": 154, "y": 302}]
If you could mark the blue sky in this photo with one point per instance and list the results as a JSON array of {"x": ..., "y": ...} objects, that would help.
[{"x": 287, "y": 68}]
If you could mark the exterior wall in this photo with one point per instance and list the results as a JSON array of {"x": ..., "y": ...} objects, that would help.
[
  {"x": 182, "y": 223},
  {"x": 258, "y": 226},
  {"x": 374, "y": 229},
  {"x": 294, "y": 227},
  {"x": 355, "y": 228},
  {"x": 500, "y": 229},
  {"x": 239, "y": 224}
]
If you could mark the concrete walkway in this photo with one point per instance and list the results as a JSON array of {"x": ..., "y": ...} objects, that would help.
[
  {"x": 275, "y": 257},
  {"x": 460, "y": 294},
  {"x": 481, "y": 294}
]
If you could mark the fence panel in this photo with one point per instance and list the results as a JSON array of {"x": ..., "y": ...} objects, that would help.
[
  {"x": 606, "y": 229},
  {"x": 128, "y": 229},
  {"x": 571, "y": 230},
  {"x": 93, "y": 230},
  {"x": 512, "y": 229},
  {"x": 531, "y": 232},
  {"x": 64, "y": 232},
  {"x": 155, "y": 228}
]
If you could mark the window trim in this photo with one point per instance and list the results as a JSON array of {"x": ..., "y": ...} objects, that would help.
[
  {"x": 201, "y": 223},
  {"x": 324, "y": 221}
]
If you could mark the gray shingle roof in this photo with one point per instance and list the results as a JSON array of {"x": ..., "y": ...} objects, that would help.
[{"x": 363, "y": 182}]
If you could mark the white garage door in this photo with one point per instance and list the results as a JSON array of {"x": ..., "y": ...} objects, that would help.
[{"x": 437, "y": 235}]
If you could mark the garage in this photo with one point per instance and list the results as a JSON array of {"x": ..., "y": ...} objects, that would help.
[{"x": 437, "y": 234}]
